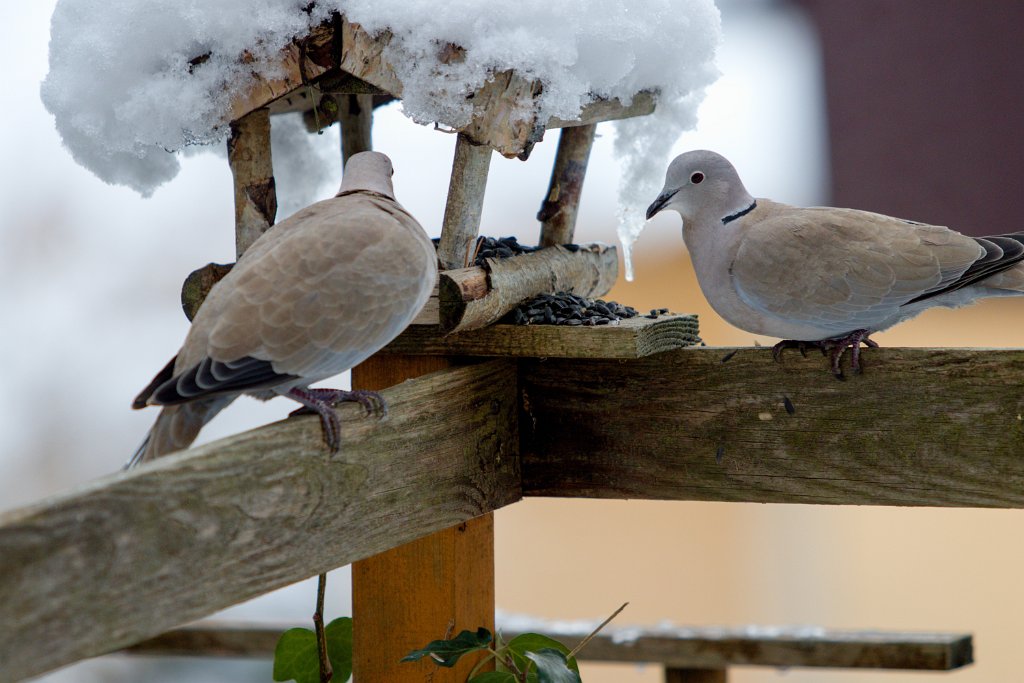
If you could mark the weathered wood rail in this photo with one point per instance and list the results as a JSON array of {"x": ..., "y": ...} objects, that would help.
[
  {"x": 689, "y": 648},
  {"x": 919, "y": 427},
  {"x": 137, "y": 553},
  {"x": 100, "y": 568}
]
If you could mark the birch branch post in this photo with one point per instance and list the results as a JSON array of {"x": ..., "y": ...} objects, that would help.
[
  {"x": 253, "y": 175},
  {"x": 465, "y": 202},
  {"x": 559, "y": 209},
  {"x": 355, "y": 116}
]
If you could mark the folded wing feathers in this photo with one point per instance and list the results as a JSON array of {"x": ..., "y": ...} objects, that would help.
[
  {"x": 211, "y": 377},
  {"x": 1001, "y": 253}
]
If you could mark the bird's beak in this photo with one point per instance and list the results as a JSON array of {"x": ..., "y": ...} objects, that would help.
[{"x": 660, "y": 202}]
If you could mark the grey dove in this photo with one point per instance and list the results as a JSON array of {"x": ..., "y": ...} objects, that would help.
[
  {"x": 824, "y": 277},
  {"x": 315, "y": 295}
]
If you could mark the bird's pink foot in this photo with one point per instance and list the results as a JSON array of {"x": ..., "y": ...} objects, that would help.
[
  {"x": 322, "y": 402},
  {"x": 833, "y": 348}
]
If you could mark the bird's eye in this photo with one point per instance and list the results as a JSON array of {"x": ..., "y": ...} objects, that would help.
[{"x": 697, "y": 177}]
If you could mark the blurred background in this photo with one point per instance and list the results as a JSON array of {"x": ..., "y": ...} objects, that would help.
[{"x": 898, "y": 106}]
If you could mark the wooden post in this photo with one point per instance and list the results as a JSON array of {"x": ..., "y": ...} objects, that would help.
[
  {"x": 558, "y": 211},
  {"x": 355, "y": 116},
  {"x": 425, "y": 590},
  {"x": 695, "y": 675},
  {"x": 253, "y": 173},
  {"x": 465, "y": 202}
]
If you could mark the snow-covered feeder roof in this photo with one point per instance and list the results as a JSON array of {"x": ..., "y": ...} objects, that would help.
[
  {"x": 504, "y": 113},
  {"x": 131, "y": 82}
]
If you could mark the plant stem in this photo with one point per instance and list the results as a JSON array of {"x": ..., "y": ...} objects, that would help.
[
  {"x": 583, "y": 643},
  {"x": 326, "y": 673},
  {"x": 491, "y": 655}
]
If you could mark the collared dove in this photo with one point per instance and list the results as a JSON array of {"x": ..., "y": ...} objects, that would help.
[
  {"x": 315, "y": 295},
  {"x": 822, "y": 276}
]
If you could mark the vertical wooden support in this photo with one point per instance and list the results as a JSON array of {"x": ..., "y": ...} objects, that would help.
[
  {"x": 558, "y": 211},
  {"x": 355, "y": 116},
  {"x": 465, "y": 202},
  {"x": 406, "y": 597},
  {"x": 253, "y": 173},
  {"x": 695, "y": 675}
]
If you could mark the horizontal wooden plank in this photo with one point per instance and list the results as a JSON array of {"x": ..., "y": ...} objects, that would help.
[
  {"x": 939, "y": 427},
  {"x": 678, "y": 647},
  {"x": 630, "y": 338},
  {"x": 139, "y": 552}
]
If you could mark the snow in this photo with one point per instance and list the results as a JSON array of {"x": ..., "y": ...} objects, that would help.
[{"x": 127, "y": 94}]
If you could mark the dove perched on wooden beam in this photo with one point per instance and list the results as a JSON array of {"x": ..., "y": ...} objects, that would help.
[
  {"x": 315, "y": 295},
  {"x": 824, "y": 277}
]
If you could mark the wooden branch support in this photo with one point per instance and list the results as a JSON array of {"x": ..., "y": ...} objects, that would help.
[
  {"x": 199, "y": 283},
  {"x": 465, "y": 203},
  {"x": 355, "y": 115},
  {"x": 682, "y": 649},
  {"x": 630, "y": 338},
  {"x": 558, "y": 211},
  {"x": 418, "y": 592},
  {"x": 253, "y": 174},
  {"x": 919, "y": 427},
  {"x": 103, "y": 567},
  {"x": 472, "y": 298}
]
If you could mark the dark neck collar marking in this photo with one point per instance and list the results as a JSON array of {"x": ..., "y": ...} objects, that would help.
[{"x": 740, "y": 214}]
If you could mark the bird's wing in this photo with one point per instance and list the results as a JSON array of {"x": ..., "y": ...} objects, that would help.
[
  {"x": 332, "y": 290},
  {"x": 842, "y": 268}
]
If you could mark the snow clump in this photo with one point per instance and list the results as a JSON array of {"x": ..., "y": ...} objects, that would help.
[{"x": 132, "y": 82}]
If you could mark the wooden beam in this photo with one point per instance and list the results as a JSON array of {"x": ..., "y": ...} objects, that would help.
[
  {"x": 472, "y": 298},
  {"x": 418, "y": 592},
  {"x": 253, "y": 174},
  {"x": 685, "y": 648},
  {"x": 136, "y": 553},
  {"x": 696, "y": 676},
  {"x": 465, "y": 203},
  {"x": 558, "y": 211},
  {"x": 642, "y": 104},
  {"x": 630, "y": 338},
  {"x": 939, "y": 427}
]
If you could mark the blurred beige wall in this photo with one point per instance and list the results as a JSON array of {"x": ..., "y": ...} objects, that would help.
[{"x": 696, "y": 563}]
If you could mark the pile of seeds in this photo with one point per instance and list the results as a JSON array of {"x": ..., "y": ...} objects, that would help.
[
  {"x": 499, "y": 247},
  {"x": 567, "y": 309}
]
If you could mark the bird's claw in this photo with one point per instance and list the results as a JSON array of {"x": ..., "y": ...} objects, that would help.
[
  {"x": 322, "y": 402},
  {"x": 833, "y": 348}
]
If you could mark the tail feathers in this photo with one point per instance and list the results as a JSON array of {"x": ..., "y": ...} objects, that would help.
[
  {"x": 1010, "y": 282},
  {"x": 177, "y": 427}
]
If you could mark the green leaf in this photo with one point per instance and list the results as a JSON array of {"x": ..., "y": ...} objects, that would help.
[
  {"x": 494, "y": 677},
  {"x": 447, "y": 652},
  {"x": 295, "y": 657},
  {"x": 552, "y": 667},
  {"x": 535, "y": 642}
]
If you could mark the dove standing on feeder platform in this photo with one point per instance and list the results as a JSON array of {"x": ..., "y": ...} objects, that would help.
[
  {"x": 315, "y": 295},
  {"x": 824, "y": 277}
]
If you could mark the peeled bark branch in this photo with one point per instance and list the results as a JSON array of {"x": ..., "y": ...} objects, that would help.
[
  {"x": 471, "y": 298},
  {"x": 465, "y": 202},
  {"x": 253, "y": 174},
  {"x": 558, "y": 211}
]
